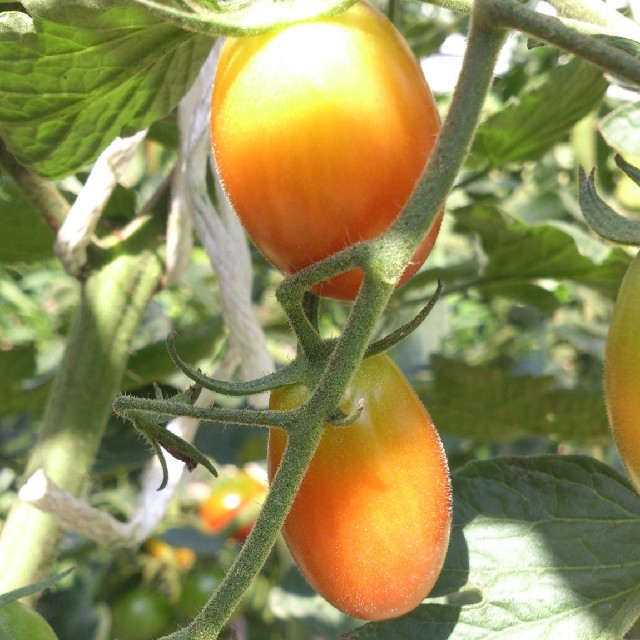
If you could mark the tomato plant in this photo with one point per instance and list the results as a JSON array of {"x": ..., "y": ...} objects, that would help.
[
  {"x": 622, "y": 371},
  {"x": 370, "y": 525},
  {"x": 320, "y": 132},
  {"x": 19, "y": 622},
  {"x": 141, "y": 614},
  {"x": 226, "y": 504}
]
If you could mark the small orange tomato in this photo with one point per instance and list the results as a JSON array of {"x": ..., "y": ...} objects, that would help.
[
  {"x": 320, "y": 132},
  {"x": 230, "y": 497},
  {"x": 181, "y": 557},
  {"x": 369, "y": 528}
]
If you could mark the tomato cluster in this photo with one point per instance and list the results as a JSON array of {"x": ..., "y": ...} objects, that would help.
[{"x": 320, "y": 132}]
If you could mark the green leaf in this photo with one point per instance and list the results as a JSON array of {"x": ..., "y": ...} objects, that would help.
[
  {"x": 543, "y": 114},
  {"x": 489, "y": 404},
  {"x": 23, "y": 234},
  {"x": 621, "y": 129},
  {"x": 541, "y": 547},
  {"x": 76, "y": 76},
  {"x": 520, "y": 254},
  {"x": 238, "y": 17},
  {"x": 31, "y": 589}
]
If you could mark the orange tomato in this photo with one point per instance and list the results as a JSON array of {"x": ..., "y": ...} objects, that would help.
[
  {"x": 225, "y": 505},
  {"x": 320, "y": 131},
  {"x": 369, "y": 528}
]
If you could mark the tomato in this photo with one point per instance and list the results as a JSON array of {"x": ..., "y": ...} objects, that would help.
[
  {"x": 230, "y": 498},
  {"x": 622, "y": 371},
  {"x": 320, "y": 132},
  {"x": 369, "y": 528},
  {"x": 141, "y": 614},
  {"x": 181, "y": 557},
  {"x": 19, "y": 622},
  {"x": 197, "y": 588}
]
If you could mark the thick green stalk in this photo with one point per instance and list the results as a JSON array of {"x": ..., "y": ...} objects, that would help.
[{"x": 113, "y": 300}]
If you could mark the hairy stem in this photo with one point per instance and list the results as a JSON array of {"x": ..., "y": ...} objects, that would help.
[
  {"x": 112, "y": 303},
  {"x": 301, "y": 445},
  {"x": 552, "y": 30}
]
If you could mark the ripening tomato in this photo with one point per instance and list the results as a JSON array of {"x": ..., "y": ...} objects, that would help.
[
  {"x": 19, "y": 622},
  {"x": 369, "y": 528},
  {"x": 320, "y": 131},
  {"x": 230, "y": 497},
  {"x": 181, "y": 557},
  {"x": 622, "y": 371}
]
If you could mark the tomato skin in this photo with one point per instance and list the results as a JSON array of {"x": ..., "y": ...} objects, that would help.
[
  {"x": 20, "y": 622},
  {"x": 369, "y": 528},
  {"x": 141, "y": 614},
  {"x": 320, "y": 132},
  {"x": 227, "y": 502},
  {"x": 622, "y": 372}
]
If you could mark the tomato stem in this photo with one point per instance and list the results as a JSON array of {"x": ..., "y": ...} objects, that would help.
[
  {"x": 552, "y": 30},
  {"x": 298, "y": 453},
  {"x": 602, "y": 218},
  {"x": 127, "y": 405},
  {"x": 112, "y": 303},
  {"x": 288, "y": 375},
  {"x": 395, "y": 337}
]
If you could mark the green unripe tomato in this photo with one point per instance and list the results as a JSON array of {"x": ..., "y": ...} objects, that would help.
[
  {"x": 197, "y": 588},
  {"x": 141, "y": 615},
  {"x": 19, "y": 622}
]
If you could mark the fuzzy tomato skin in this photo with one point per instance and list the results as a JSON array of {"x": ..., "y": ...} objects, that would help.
[
  {"x": 622, "y": 372},
  {"x": 320, "y": 132},
  {"x": 369, "y": 528},
  {"x": 19, "y": 622}
]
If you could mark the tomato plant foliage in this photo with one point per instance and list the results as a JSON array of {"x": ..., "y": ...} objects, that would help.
[{"x": 509, "y": 363}]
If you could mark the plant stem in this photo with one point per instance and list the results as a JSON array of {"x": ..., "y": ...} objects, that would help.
[
  {"x": 598, "y": 13},
  {"x": 45, "y": 198},
  {"x": 299, "y": 451},
  {"x": 552, "y": 30},
  {"x": 112, "y": 303}
]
